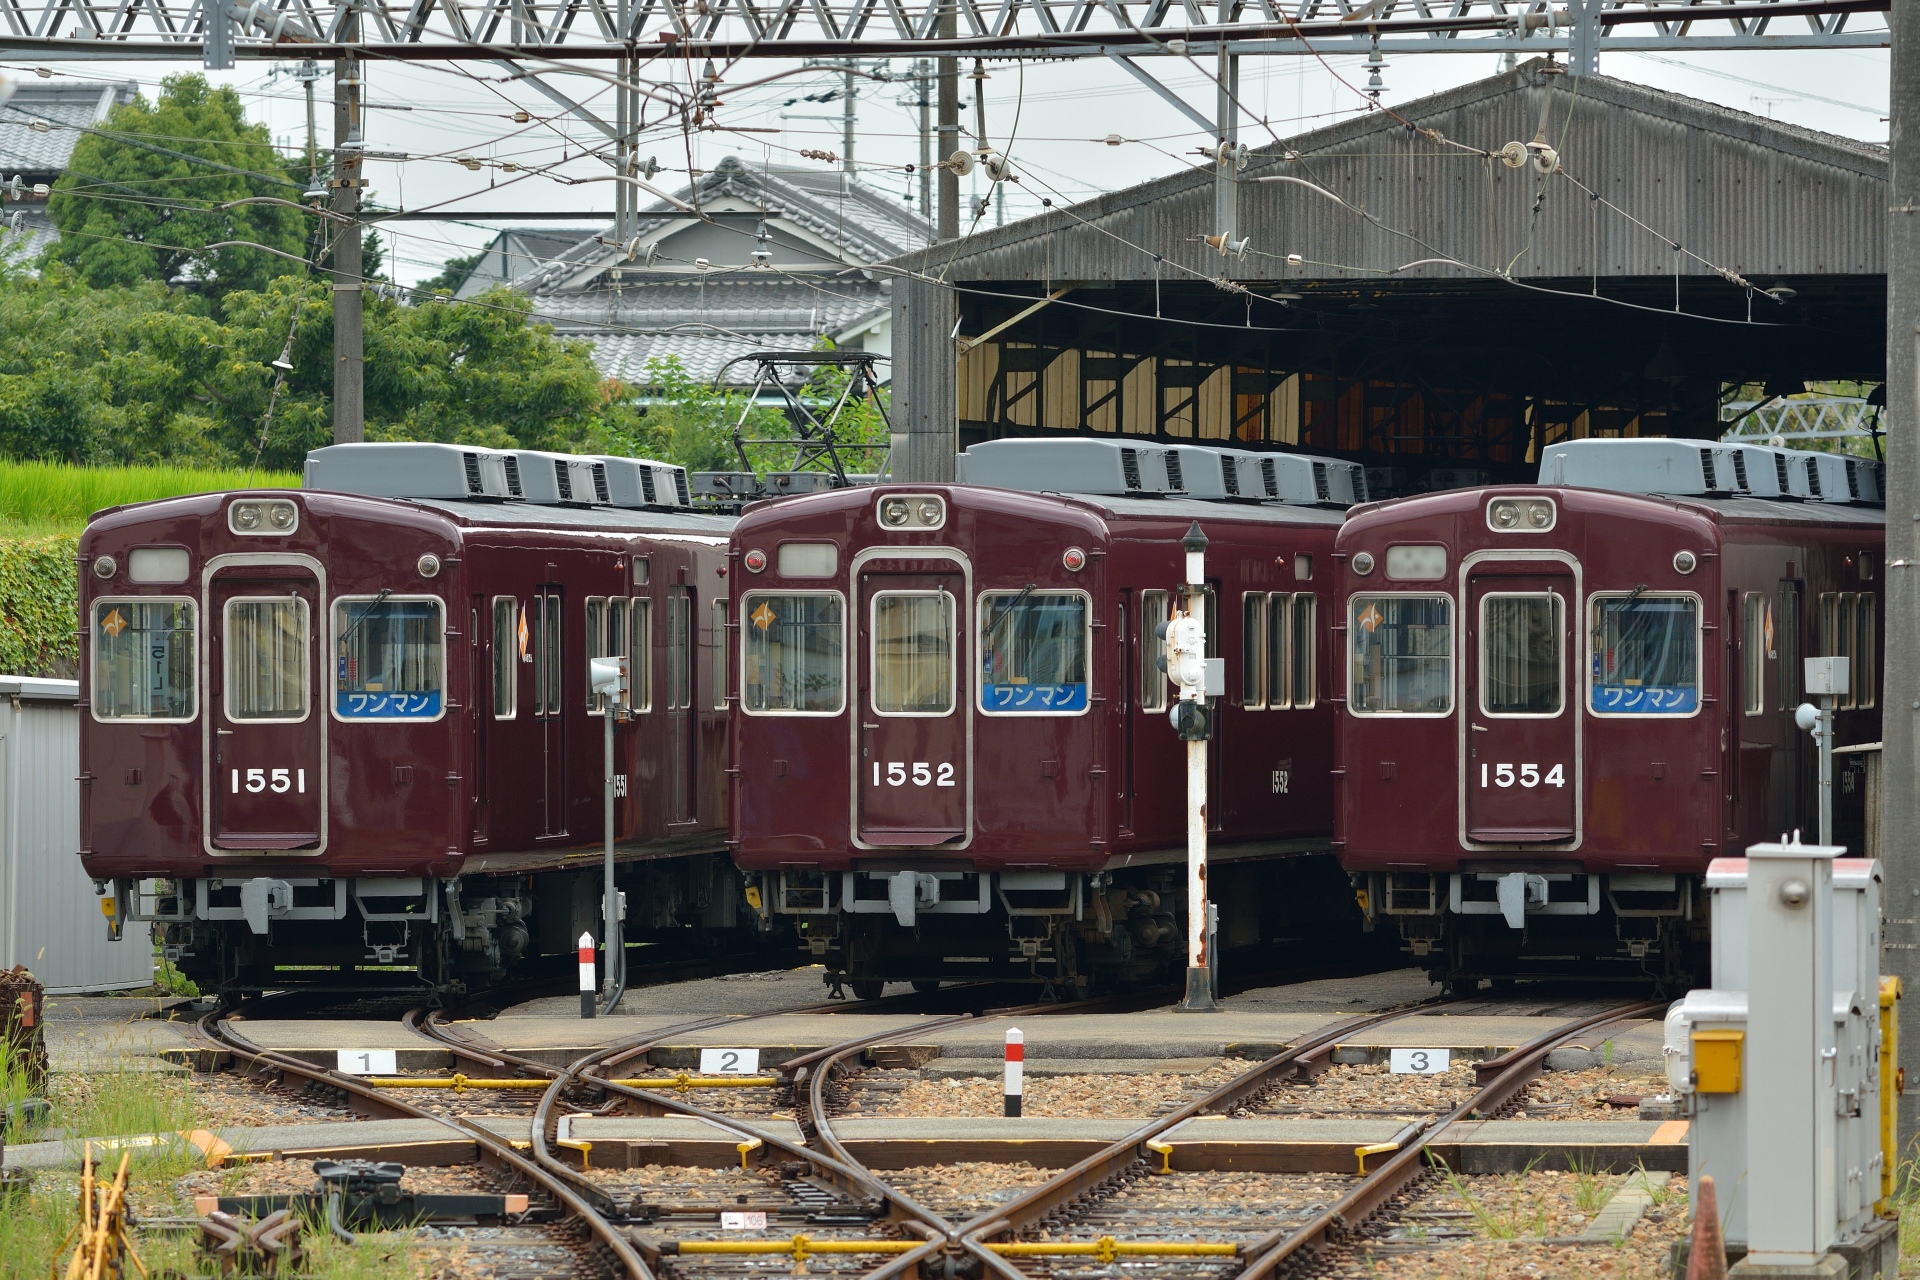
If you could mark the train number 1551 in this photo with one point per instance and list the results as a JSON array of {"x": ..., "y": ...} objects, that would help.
[
  {"x": 278, "y": 781},
  {"x": 1529, "y": 775},
  {"x": 922, "y": 774}
]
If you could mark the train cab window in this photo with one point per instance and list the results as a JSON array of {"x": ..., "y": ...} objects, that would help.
[
  {"x": 912, "y": 639},
  {"x": 1756, "y": 636},
  {"x": 640, "y": 669},
  {"x": 267, "y": 660},
  {"x": 1400, "y": 660},
  {"x": 1522, "y": 654},
  {"x": 1253, "y": 650},
  {"x": 1153, "y": 651},
  {"x": 720, "y": 614},
  {"x": 793, "y": 653},
  {"x": 679, "y": 649},
  {"x": 596, "y": 637},
  {"x": 389, "y": 658},
  {"x": 1646, "y": 655},
  {"x": 1033, "y": 652},
  {"x": 1279, "y": 658},
  {"x": 145, "y": 658},
  {"x": 509, "y": 649},
  {"x": 1306, "y": 650}
]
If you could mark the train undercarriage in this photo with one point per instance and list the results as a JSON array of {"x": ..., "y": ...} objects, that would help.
[
  {"x": 1468, "y": 927},
  {"x": 438, "y": 938},
  {"x": 1069, "y": 933}
]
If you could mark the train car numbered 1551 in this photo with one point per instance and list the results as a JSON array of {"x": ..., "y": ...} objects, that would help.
[
  {"x": 1561, "y": 702},
  {"x": 343, "y": 736}
]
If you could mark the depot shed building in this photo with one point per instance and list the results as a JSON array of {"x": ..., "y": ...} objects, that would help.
[{"x": 1439, "y": 290}]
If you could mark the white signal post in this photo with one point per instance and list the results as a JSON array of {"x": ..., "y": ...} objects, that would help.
[
  {"x": 586, "y": 975},
  {"x": 1015, "y": 1079},
  {"x": 609, "y": 677},
  {"x": 1187, "y": 668}
]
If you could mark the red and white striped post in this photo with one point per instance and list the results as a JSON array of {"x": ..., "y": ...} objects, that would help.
[
  {"x": 1016, "y": 1069},
  {"x": 586, "y": 975}
]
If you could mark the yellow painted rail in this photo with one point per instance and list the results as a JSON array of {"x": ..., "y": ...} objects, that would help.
[{"x": 1105, "y": 1249}]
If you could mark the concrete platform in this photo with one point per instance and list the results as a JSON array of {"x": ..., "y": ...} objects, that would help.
[
  {"x": 319, "y": 1041},
  {"x": 103, "y": 1045}
]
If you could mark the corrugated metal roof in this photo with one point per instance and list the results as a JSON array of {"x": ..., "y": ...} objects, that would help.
[{"x": 1749, "y": 195}]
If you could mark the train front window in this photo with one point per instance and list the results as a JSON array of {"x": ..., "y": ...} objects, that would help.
[
  {"x": 912, "y": 639},
  {"x": 793, "y": 653},
  {"x": 144, "y": 660},
  {"x": 1033, "y": 652},
  {"x": 1401, "y": 656},
  {"x": 1522, "y": 669},
  {"x": 266, "y": 642},
  {"x": 1646, "y": 655},
  {"x": 389, "y": 658}
]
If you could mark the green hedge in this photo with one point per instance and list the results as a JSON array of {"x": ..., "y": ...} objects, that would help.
[{"x": 39, "y": 606}]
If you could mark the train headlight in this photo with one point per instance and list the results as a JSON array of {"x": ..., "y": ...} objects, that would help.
[
  {"x": 1540, "y": 515},
  {"x": 913, "y": 511},
  {"x": 280, "y": 516},
  {"x": 246, "y": 517},
  {"x": 1685, "y": 562},
  {"x": 1362, "y": 563},
  {"x": 266, "y": 516},
  {"x": 1504, "y": 514},
  {"x": 104, "y": 567},
  {"x": 755, "y": 560},
  {"x": 895, "y": 513},
  {"x": 929, "y": 511},
  {"x": 429, "y": 565}
]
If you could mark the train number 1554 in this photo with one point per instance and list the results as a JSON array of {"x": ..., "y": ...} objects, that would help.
[
  {"x": 1529, "y": 776},
  {"x": 922, "y": 774}
]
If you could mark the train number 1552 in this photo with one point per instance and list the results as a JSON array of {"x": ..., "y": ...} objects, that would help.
[
  {"x": 1529, "y": 775},
  {"x": 922, "y": 774}
]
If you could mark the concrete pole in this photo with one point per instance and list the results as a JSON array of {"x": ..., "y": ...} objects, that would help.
[
  {"x": 949, "y": 228},
  {"x": 1900, "y": 705},
  {"x": 922, "y": 72},
  {"x": 623, "y": 121},
  {"x": 349, "y": 354},
  {"x": 926, "y": 410},
  {"x": 847, "y": 118},
  {"x": 1226, "y": 206}
]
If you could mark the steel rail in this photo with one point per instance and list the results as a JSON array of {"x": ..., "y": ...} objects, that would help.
[
  {"x": 1513, "y": 1071},
  {"x": 221, "y": 1034}
]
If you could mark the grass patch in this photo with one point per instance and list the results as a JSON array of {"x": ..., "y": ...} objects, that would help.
[
  {"x": 38, "y": 498},
  {"x": 1510, "y": 1224}
]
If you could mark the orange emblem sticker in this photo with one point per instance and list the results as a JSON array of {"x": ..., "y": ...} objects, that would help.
[
  {"x": 1370, "y": 620},
  {"x": 113, "y": 624},
  {"x": 763, "y": 617}
]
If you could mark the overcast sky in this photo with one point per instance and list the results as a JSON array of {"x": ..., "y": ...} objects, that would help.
[{"x": 1060, "y": 114}]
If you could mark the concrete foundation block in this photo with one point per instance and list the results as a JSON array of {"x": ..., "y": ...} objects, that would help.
[
  {"x": 1830, "y": 1267},
  {"x": 1874, "y": 1254}
]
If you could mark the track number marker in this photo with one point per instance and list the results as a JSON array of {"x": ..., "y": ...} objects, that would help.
[
  {"x": 1418, "y": 1062},
  {"x": 368, "y": 1062},
  {"x": 745, "y": 1220},
  {"x": 729, "y": 1062}
]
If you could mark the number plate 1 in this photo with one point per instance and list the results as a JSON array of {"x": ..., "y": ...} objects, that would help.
[
  {"x": 369, "y": 1062},
  {"x": 1418, "y": 1062},
  {"x": 729, "y": 1062}
]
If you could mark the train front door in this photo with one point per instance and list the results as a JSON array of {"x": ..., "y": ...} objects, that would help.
[
  {"x": 1521, "y": 775},
  {"x": 911, "y": 755},
  {"x": 265, "y": 744}
]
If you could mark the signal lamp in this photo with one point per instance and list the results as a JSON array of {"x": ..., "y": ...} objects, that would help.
[
  {"x": 1075, "y": 559},
  {"x": 1362, "y": 563},
  {"x": 1685, "y": 562},
  {"x": 755, "y": 560},
  {"x": 429, "y": 565},
  {"x": 104, "y": 567}
]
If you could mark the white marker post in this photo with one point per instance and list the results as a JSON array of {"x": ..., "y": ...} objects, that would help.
[
  {"x": 1192, "y": 719},
  {"x": 1016, "y": 1070},
  {"x": 586, "y": 975}
]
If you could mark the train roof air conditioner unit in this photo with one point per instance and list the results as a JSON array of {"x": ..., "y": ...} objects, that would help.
[
  {"x": 1705, "y": 469},
  {"x": 562, "y": 479},
  {"x": 1105, "y": 467},
  {"x": 383, "y": 469},
  {"x": 641, "y": 482}
]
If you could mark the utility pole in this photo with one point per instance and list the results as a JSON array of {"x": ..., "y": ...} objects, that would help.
[
  {"x": 949, "y": 126},
  {"x": 922, "y": 69},
  {"x": 306, "y": 74},
  {"x": 349, "y": 353},
  {"x": 1899, "y": 762},
  {"x": 847, "y": 117}
]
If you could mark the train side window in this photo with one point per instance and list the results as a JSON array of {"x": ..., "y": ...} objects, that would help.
[
  {"x": 1787, "y": 637},
  {"x": 720, "y": 616},
  {"x": 1838, "y": 614},
  {"x": 390, "y": 659},
  {"x": 617, "y": 634},
  {"x": 1253, "y": 650},
  {"x": 912, "y": 653},
  {"x": 1865, "y": 639},
  {"x": 1522, "y": 654},
  {"x": 1306, "y": 651},
  {"x": 1400, "y": 659},
  {"x": 679, "y": 649},
  {"x": 145, "y": 660},
  {"x": 267, "y": 659},
  {"x": 793, "y": 653},
  {"x": 1646, "y": 655},
  {"x": 1279, "y": 651},
  {"x": 1755, "y": 626},
  {"x": 508, "y": 642},
  {"x": 1153, "y": 651},
  {"x": 546, "y": 654},
  {"x": 596, "y": 637},
  {"x": 640, "y": 669},
  {"x": 1033, "y": 652}
]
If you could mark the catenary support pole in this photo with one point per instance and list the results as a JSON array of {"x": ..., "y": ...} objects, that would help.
[
  {"x": 925, "y": 416},
  {"x": 1900, "y": 788},
  {"x": 1226, "y": 175},
  {"x": 923, "y": 91},
  {"x": 349, "y": 350},
  {"x": 847, "y": 117},
  {"x": 949, "y": 228}
]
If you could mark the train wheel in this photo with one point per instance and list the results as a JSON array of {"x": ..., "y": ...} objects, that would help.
[
  {"x": 924, "y": 985},
  {"x": 867, "y": 988}
]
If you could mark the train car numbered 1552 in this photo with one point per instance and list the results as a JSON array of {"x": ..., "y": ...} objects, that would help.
[
  {"x": 343, "y": 736},
  {"x": 953, "y": 758},
  {"x": 1561, "y": 702}
]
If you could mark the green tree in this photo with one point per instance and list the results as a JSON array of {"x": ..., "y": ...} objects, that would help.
[
  {"x": 139, "y": 200},
  {"x": 453, "y": 274}
]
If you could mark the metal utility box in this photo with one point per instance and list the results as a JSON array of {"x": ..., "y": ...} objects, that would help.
[
  {"x": 50, "y": 917},
  {"x": 1828, "y": 676}
]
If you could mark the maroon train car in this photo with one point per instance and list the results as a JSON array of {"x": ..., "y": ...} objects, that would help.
[
  {"x": 1559, "y": 703},
  {"x": 952, "y": 757},
  {"x": 337, "y": 739}
]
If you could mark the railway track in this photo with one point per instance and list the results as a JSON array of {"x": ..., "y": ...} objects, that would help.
[{"x": 828, "y": 1213}]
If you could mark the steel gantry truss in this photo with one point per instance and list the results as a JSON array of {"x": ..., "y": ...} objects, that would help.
[{"x": 218, "y": 31}]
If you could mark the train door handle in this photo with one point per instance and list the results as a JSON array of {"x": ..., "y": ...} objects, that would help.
[
  {"x": 225, "y": 733},
  {"x": 1480, "y": 728},
  {"x": 868, "y": 725}
]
